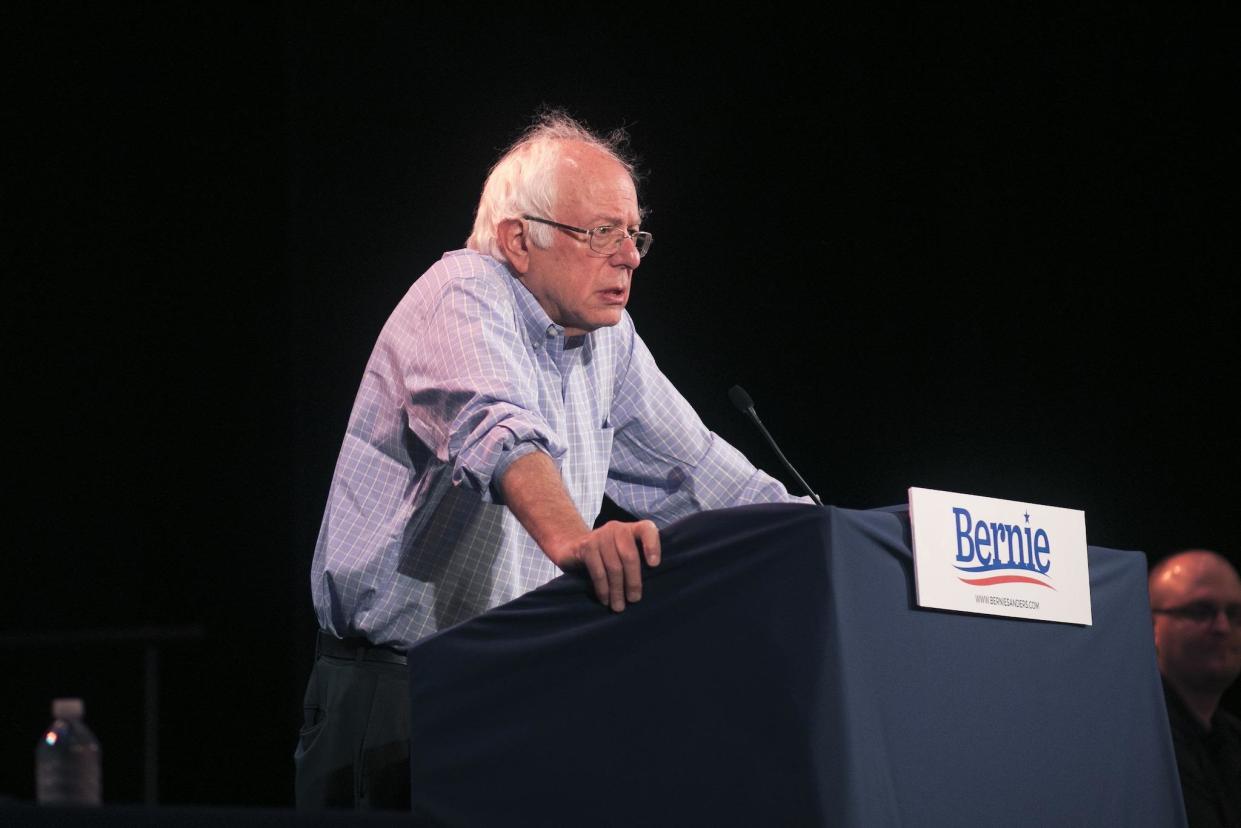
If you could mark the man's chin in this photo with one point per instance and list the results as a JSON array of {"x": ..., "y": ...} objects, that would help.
[
  {"x": 1216, "y": 677},
  {"x": 603, "y": 319}
]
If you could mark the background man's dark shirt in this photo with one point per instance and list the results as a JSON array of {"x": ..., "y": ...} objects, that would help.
[{"x": 1209, "y": 764}]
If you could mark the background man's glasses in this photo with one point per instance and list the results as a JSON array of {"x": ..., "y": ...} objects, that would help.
[
  {"x": 1203, "y": 612},
  {"x": 604, "y": 239}
]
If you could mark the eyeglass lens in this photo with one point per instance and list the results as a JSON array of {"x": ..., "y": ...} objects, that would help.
[
  {"x": 607, "y": 239},
  {"x": 1202, "y": 613}
]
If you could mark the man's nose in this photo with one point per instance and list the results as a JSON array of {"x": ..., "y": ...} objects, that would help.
[
  {"x": 627, "y": 254},
  {"x": 1222, "y": 621}
]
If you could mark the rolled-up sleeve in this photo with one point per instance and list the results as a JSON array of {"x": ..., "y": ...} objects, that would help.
[{"x": 472, "y": 397}]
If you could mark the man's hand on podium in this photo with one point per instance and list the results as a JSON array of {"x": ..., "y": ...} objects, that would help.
[{"x": 611, "y": 554}]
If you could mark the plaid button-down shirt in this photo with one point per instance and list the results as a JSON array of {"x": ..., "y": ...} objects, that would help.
[{"x": 470, "y": 373}]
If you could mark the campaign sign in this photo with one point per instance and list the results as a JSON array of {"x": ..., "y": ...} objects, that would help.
[{"x": 999, "y": 557}]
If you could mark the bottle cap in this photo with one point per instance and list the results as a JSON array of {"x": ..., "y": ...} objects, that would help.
[{"x": 67, "y": 709}]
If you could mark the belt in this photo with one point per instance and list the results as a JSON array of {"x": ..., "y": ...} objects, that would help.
[{"x": 357, "y": 649}]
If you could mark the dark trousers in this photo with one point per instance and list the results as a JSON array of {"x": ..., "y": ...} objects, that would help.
[{"x": 353, "y": 748}]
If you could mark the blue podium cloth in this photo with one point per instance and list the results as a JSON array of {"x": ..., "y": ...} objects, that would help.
[{"x": 778, "y": 672}]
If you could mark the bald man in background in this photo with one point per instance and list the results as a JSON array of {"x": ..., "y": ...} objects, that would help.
[{"x": 1196, "y": 608}]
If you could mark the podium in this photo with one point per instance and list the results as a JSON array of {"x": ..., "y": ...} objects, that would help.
[{"x": 779, "y": 672}]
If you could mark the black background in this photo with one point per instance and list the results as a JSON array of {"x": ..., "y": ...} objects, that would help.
[{"x": 985, "y": 251}]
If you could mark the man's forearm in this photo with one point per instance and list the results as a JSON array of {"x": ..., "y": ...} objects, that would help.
[
  {"x": 611, "y": 554},
  {"x": 536, "y": 495}
]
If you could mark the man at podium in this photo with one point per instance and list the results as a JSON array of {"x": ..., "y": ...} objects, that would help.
[{"x": 506, "y": 394}]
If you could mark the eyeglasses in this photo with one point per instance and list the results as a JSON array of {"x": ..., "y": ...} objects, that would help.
[
  {"x": 1204, "y": 612},
  {"x": 605, "y": 239}
]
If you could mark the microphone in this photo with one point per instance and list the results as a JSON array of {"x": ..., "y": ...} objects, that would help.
[{"x": 746, "y": 406}]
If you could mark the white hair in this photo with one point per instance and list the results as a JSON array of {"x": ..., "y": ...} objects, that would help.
[{"x": 524, "y": 180}]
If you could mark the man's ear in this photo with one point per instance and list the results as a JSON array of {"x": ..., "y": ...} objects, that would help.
[{"x": 514, "y": 241}]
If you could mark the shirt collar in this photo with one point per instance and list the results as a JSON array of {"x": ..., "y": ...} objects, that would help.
[
  {"x": 1178, "y": 710},
  {"x": 539, "y": 326}
]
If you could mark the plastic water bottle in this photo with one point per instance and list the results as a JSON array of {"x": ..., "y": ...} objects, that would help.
[{"x": 66, "y": 759}]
